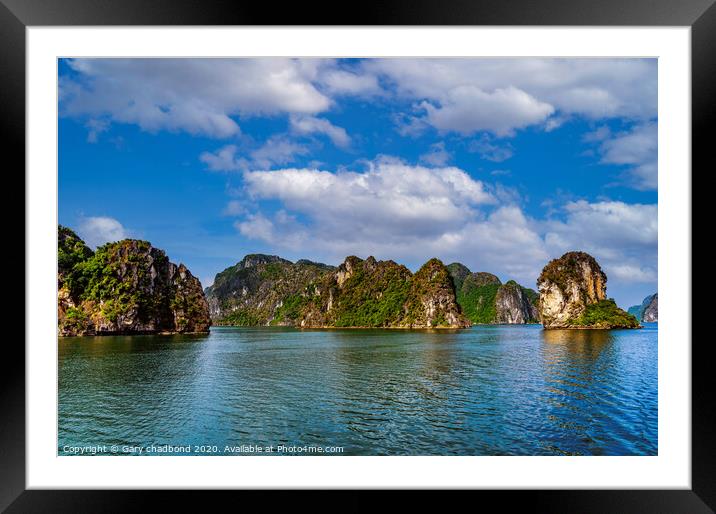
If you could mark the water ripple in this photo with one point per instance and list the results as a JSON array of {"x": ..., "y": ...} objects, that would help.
[{"x": 489, "y": 390}]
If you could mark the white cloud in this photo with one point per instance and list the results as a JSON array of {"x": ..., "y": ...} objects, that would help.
[
  {"x": 623, "y": 237},
  {"x": 632, "y": 273},
  {"x": 389, "y": 199},
  {"x": 277, "y": 150},
  {"x": 281, "y": 230},
  {"x": 594, "y": 88},
  {"x": 346, "y": 82},
  {"x": 256, "y": 226},
  {"x": 636, "y": 148},
  {"x": 437, "y": 155},
  {"x": 407, "y": 213},
  {"x": 489, "y": 150},
  {"x": 394, "y": 211},
  {"x": 469, "y": 109},
  {"x": 506, "y": 242},
  {"x": 199, "y": 96},
  {"x": 204, "y": 96},
  {"x": 609, "y": 223},
  {"x": 597, "y": 135},
  {"x": 97, "y": 230},
  {"x": 306, "y": 125},
  {"x": 234, "y": 208},
  {"x": 95, "y": 128},
  {"x": 224, "y": 159}
]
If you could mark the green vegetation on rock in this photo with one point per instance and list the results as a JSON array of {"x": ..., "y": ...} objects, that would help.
[
  {"x": 570, "y": 269},
  {"x": 478, "y": 303},
  {"x": 290, "y": 309},
  {"x": 373, "y": 296},
  {"x": 72, "y": 252},
  {"x": 268, "y": 290},
  {"x": 605, "y": 314},
  {"x": 125, "y": 287},
  {"x": 573, "y": 295},
  {"x": 478, "y": 295},
  {"x": 263, "y": 290}
]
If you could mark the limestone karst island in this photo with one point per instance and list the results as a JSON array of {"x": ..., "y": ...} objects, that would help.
[{"x": 130, "y": 287}]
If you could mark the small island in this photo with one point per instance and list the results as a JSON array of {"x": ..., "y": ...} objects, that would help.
[
  {"x": 573, "y": 294},
  {"x": 126, "y": 287}
]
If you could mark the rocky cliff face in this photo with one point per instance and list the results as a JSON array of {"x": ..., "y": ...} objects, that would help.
[
  {"x": 128, "y": 287},
  {"x": 263, "y": 290},
  {"x": 371, "y": 293},
  {"x": 431, "y": 299},
  {"x": 648, "y": 310},
  {"x": 269, "y": 290},
  {"x": 513, "y": 305},
  {"x": 572, "y": 293},
  {"x": 651, "y": 313},
  {"x": 484, "y": 299}
]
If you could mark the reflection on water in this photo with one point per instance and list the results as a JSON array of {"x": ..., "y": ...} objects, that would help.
[{"x": 489, "y": 390}]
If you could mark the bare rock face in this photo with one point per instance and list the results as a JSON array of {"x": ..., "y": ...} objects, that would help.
[
  {"x": 573, "y": 294},
  {"x": 512, "y": 305},
  {"x": 264, "y": 290},
  {"x": 567, "y": 285},
  {"x": 648, "y": 310},
  {"x": 651, "y": 313},
  {"x": 127, "y": 287}
]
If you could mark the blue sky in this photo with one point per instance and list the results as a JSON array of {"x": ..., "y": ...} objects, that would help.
[{"x": 501, "y": 164}]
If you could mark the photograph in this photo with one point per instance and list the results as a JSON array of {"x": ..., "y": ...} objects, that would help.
[{"x": 357, "y": 256}]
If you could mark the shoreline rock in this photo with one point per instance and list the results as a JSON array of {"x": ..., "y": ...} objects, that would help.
[
  {"x": 573, "y": 296},
  {"x": 126, "y": 287}
]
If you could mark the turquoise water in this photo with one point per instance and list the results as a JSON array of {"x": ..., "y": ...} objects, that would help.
[{"x": 488, "y": 390}]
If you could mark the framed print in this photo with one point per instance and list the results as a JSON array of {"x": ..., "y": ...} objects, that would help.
[{"x": 419, "y": 249}]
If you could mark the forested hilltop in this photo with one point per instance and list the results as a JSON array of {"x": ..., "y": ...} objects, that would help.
[
  {"x": 125, "y": 287},
  {"x": 483, "y": 298},
  {"x": 269, "y": 290}
]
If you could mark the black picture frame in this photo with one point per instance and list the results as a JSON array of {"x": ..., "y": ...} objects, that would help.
[{"x": 700, "y": 15}]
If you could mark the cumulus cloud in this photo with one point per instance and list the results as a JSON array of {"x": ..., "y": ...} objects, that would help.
[
  {"x": 591, "y": 87},
  {"x": 468, "y": 109},
  {"x": 199, "y": 96},
  {"x": 389, "y": 199},
  {"x": 437, "y": 155},
  {"x": 623, "y": 237},
  {"x": 204, "y": 96},
  {"x": 223, "y": 159},
  {"x": 405, "y": 212},
  {"x": 506, "y": 241},
  {"x": 281, "y": 229},
  {"x": 342, "y": 82},
  {"x": 394, "y": 210},
  {"x": 277, "y": 150},
  {"x": 636, "y": 149},
  {"x": 306, "y": 125},
  {"x": 97, "y": 230}
]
